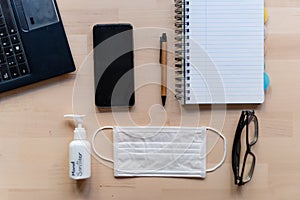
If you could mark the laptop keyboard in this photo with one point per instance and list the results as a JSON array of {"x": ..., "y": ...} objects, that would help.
[{"x": 13, "y": 62}]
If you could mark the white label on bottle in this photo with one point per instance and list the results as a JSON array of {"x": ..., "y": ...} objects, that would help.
[{"x": 77, "y": 166}]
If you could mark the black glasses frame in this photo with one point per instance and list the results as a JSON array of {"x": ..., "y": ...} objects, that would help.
[{"x": 245, "y": 119}]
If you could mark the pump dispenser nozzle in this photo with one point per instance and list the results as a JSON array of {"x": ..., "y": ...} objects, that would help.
[
  {"x": 79, "y": 132},
  {"x": 78, "y": 118}
]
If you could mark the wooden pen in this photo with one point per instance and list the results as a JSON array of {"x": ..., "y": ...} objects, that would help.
[{"x": 163, "y": 62}]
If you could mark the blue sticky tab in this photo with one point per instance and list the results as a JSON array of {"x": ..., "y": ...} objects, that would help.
[{"x": 266, "y": 81}]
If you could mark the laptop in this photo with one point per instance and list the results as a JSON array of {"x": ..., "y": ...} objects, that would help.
[{"x": 33, "y": 43}]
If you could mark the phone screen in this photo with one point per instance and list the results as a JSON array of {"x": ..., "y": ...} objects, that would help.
[{"x": 113, "y": 65}]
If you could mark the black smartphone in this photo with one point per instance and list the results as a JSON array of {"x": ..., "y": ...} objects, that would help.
[{"x": 113, "y": 65}]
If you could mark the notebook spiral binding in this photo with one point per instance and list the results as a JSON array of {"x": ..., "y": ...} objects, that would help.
[{"x": 181, "y": 49}]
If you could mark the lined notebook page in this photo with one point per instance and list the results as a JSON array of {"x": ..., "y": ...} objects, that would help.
[{"x": 224, "y": 51}]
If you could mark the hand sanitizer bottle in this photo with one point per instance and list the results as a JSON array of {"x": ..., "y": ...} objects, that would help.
[{"x": 79, "y": 152}]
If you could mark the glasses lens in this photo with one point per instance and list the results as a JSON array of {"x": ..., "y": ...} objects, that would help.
[
  {"x": 248, "y": 168},
  {"x": 252, "y": 130},
  {"x": 243, "y": 149}
]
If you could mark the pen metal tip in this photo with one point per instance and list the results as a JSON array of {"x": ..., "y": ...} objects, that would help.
[{"x": 164, "y": 37}]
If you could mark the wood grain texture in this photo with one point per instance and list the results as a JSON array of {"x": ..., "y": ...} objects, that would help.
[{"x": 34, "y": 136}]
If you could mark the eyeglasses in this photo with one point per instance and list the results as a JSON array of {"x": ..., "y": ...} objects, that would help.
[{"x": 243, "y": 167}]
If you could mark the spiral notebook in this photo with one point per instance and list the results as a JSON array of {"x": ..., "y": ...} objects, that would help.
[{"x": 219, "y": 51}]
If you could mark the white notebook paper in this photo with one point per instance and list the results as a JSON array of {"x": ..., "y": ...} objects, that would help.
[{"x": 220, "y": 56}]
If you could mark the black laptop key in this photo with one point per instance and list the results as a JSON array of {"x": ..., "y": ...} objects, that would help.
[
  {"x": 4, "y": 74},
  {"x": 14, "y": 39},
  {"x": 12, "y": 30},
  {"x": 23, "y": 69},
  {"x": 17, "y": 48},
  {"x": 20, "y": 58},
  {"x": 11, "y": 61},
  {"x": 8, "y": 51},
  {"x": 5, "y": 41},
  {"x": 3, "y": 32},
  {"x": 14, "y": 72}
]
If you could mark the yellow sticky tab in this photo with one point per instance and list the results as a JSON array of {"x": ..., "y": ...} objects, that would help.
[{"x": 266, "y": 15}]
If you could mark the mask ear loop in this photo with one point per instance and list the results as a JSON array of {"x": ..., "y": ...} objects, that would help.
[
  {"x": 224, "y": 155},
  {"x": 93, "y": 143}
]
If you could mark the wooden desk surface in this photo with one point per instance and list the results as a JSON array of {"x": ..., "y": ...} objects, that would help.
[{"x": 34, "y": 136}]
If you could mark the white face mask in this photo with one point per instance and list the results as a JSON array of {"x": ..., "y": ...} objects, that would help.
[{"x": 160, "y": 151}]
